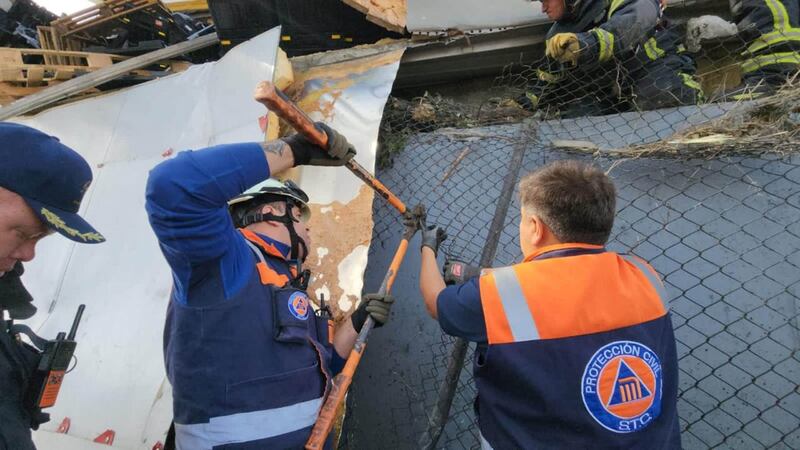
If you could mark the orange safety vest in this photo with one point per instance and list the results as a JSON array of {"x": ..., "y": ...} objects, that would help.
[
  {"x": 581, "y": 353},
  {"x": 553, "y": 298}
]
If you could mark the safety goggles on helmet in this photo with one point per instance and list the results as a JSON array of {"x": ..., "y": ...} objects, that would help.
[{"x": 272, "y": 190}]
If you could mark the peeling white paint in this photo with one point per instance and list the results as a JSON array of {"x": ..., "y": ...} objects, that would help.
[
  {"x": 321, "y": 253},
  {"x": 351, "y": 272}
]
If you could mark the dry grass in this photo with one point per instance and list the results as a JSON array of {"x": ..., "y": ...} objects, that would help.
[{"x": 768, "y": 125}]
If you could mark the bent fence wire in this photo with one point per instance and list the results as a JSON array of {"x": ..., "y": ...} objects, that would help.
[{"x": 709, "y": 194}]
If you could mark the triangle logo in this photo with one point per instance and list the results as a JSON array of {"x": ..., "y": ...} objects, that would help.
[{"x": 628, "y": 387}]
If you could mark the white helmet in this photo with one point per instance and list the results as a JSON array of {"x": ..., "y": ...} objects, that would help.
[
  {"x": 272, "y": 188},
  {"x": 241, "y": 209}
]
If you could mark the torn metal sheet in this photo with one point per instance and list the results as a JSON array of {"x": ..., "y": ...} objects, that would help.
[
  {"x": 119, "y": 382},
  {"x": 349, "y": 96},
  {"x": 426, "y": 15}
]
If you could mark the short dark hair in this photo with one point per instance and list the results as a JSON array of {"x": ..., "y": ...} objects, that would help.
[{"x": 577, "y": 201}]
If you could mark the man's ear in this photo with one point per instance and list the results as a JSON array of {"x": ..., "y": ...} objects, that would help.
[
  {"x": 268, "y": 209},
  {"x": 538, "y": 230}
]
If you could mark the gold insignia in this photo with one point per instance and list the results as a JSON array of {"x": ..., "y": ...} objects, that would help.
[{"x": 58, "y": 223}]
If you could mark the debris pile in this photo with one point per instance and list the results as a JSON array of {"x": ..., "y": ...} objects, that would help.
[
  {"x": 428, "y": 113},
  {"x": 39, "y": 50},
  {"x": 768, "y": 125}
]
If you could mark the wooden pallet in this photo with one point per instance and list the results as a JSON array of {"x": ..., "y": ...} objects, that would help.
[
  {"x": 98, "y": 14},
  {"x": 50, "y": 39},
  {"x": 17, "y": 71},
  {"x": 10, "y": 92}
]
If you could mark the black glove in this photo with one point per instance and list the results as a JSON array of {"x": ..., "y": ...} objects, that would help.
[
  {"x": 457, "y": 272},
  {"x": 375, "y": 305},
  {"x": 411, "y": 220},
  {"x": 305, "y": 153},
  {"x": 432, "y": 237}
]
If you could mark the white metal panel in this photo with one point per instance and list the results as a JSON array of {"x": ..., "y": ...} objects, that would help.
[
  {"x": 438, "y": 15},
  {"x": 119, "y": 382}
]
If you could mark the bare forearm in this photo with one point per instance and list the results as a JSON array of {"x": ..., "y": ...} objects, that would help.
[
  {"x": 431, "y": 282},
  {"x": 344, "y": 338},
  {"x": 279, "y": 156}
]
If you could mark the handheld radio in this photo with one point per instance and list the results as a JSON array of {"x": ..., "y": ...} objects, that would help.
[{"x": 53, "y": 366}]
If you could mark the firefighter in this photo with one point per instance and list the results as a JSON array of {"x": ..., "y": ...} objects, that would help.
[
  {"x": 248, "y": 356},
  {"x": 605, "y": 57},
  {"x": 42, "y": 183},
  {"x": 575, "y": 346},
  {"x": 771, "y": 31}
]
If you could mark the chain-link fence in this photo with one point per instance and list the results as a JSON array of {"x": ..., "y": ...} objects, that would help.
[{"x": 709, "y": 194}]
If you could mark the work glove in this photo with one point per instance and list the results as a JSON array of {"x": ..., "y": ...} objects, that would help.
[
  {"x": 411, "y": 221},
  {"x": 306, "y": 153},
  {"x": 432, "y": 237},
  {"x": 376, "y": 305},
  {"x": 457, "y": 272},
  {"x": 564, "y": 48}
]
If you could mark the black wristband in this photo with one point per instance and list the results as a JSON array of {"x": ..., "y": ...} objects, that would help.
[
  {"x": 297, "y": 144},
  {"x": 359, "y": 316}
]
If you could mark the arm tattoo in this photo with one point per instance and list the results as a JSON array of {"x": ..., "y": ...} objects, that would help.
[{"x": 276, "y": 147}]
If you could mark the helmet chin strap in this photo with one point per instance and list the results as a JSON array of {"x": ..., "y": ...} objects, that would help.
[{"x": 296, "y": 242}]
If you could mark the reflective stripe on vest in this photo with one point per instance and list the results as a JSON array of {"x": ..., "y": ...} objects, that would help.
[
  {"x": 519, "y": 317},
  {"x": 654, "y": 280},
  {"x": 558, "y": 297},
  {"x": 247, "y": 427}
]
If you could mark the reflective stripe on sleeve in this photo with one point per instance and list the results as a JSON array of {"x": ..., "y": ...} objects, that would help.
[
  {"x": 605, "y": 41},
  {"x": 758, "y": 62}
]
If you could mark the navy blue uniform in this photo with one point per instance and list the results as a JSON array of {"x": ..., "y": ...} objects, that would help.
[
  {"x": 590, "y": 363},
  {"x": 248, "y": 359}
]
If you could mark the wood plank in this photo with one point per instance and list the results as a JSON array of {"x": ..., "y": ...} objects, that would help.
[
  {"x": 10, "y": 57},
  {"x": 76, "y": 85},
  {"x": 35, "y": 77},
  {"x": 98, "y": 21},
  {"x": 187, "y": 5},
  {"x": 10, "y": 74},
  {"x": 36, "y": 51}
]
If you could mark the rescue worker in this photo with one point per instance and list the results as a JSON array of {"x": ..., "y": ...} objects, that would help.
[
  {"x": 771, "y": 31},
  {"x": 575, "y": 343},
  {"x": 42, "y": 183},
  {"x": 605, "y": 57},
  {"x": 249, "y": 358}
]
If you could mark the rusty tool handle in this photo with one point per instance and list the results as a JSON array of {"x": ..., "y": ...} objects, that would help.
[
  {"x": 280, "y": 104},
  {"x": 341, "y": 382}
]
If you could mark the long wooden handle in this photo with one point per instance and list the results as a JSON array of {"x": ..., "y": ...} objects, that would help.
[
  {"x": 280, "y": 104},
  {"x": 341, "y": 382}
]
